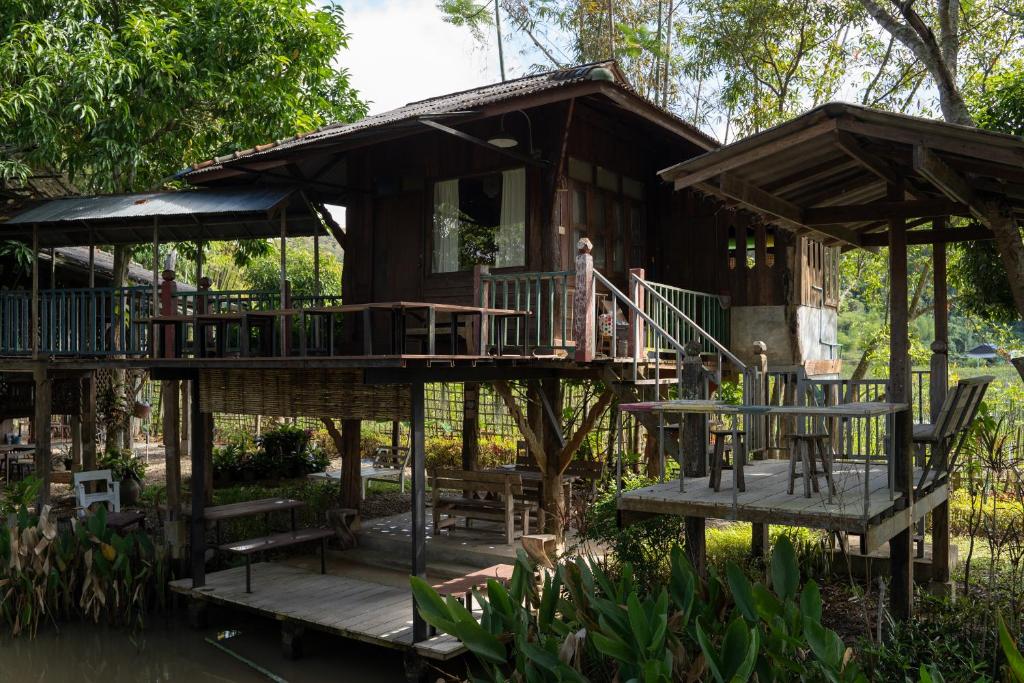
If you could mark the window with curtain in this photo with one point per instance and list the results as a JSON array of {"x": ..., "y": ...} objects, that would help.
[{"x": 480, "y": 220}]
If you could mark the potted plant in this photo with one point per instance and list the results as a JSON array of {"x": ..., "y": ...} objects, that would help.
[{"x": 128, "y": 470}]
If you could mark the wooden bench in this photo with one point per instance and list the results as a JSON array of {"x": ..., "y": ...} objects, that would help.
[
  {"x": 250, "y": 547},
  {"x": 486, "y": 496},
  {"x": 463, "y": 586},
  {"x": 952, "y": 423}
]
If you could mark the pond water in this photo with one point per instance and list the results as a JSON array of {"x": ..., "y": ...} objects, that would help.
[{"x": 169, "y": 650}]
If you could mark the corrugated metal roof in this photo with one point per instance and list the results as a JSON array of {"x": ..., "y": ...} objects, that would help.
[
  {"x": 154, "y": 204},
  {"x": 453, "y": 103}
]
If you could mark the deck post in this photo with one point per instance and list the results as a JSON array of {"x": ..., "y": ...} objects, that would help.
[
  {"x": 901, "y": 459},
  {"x": 198, "y": 526},
  {"x": 693, "y": 452},
  {"x": 42, "y": 398},
  {"x": 757, "y": 429},
  {"x": 939, "y": 378},
  {"x": 285, "y": 327},
  {"x": 583, "y": 304},
  {"x": 154, "y": 342},
  {"x": 419, "y": 518},
  {"x": 481, "y": 297},
  {"x": 34, "y": 324},
  {"x": 470, "y": 425}
]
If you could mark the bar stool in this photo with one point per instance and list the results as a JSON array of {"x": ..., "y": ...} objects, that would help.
[
  {"x": 805, "y": 448},
  {"x": 720, "y": 456}
]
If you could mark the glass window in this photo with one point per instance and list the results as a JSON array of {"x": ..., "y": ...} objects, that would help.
[
  {"x": 480, "y": 220},
  {"x": 607, "y": 180},
  {"x": 633, "y": 189},
  {"x": 581, "y": 170}
]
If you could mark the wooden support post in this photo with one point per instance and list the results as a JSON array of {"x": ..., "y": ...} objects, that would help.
[
  {"x": 419, "y": 511},
  {"x": 471, "y": 426},
  {"x": 583, "y": 305},
  {"x": 89, "y": 421},
  {"x": 75, "y": 427},
  {"x": 939, "y": 379},
  {"x": 185, "y": 435},
  {"x": 198, "y": 529},
  {"x": 557, "y": 458},
  {"x": 207, "y": 433},
  {"x": 43, "y": 398},
  {"x": 92, "y": 263},
  {"x": 693, "y": 452},
  {"x": 156, "y": 343},
  {"x": 285, "y": 327},
  {"x": 351, "y": 465},
  {"x": 169, "y": 391},
  {"x": 481, "y": 297},
  {"x": 901, "y": 459},
  {"x": 34, "y": 323}
]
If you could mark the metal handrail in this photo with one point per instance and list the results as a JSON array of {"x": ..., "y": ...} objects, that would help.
[{"x": 693, "y": 325}]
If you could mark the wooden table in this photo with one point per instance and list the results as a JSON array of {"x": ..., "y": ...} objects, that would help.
[
  {"x": 10, "y": 451},
  {"x": 249, "y": 508},
  {"x": 534, "y": 479},
  {"x": 867, "y": 409},
  {"x": 400, "y": 310}
]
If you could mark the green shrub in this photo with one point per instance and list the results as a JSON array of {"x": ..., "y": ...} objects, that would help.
[
  {"x": 282, "y": 453},
  {"x": 85, "y": 571},
  {"x": 1009, "y": 514},
  {"x": 319, "y": 496},
  {"x": 583, "y": 625},
  {"x": 122, "y": 464}
]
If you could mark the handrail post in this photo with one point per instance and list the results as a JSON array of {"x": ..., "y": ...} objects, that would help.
[
  {"x": 636, "y": 324},
  {"x": 482, "y": 296},
  {"x": 583, "y": 305},
  {"x": 167, "y": 292}
]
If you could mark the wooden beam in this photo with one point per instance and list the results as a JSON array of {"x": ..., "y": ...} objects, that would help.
[
  {"x": 683, "y": 178},
  {"x": 950, "y": 183},
  {"x": 595, "y": 412},
  {"x": 874, "y": 211},
  {"x": 751, "y": 195},
  {"x": 524, "y": 158},
  {"x": 536, "y": 445},
  {"x": 880, "y": 167},
  {"x": 948, "y": 236}
]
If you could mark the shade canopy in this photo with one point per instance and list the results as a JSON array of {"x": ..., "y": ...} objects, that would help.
[
  {"x": 831, "y": 171},
  {"x": 222, "y": 214}
]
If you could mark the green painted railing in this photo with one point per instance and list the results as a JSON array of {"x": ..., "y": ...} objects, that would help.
[
  {"x": 96, "y": 321},
  {"x": 704, "y": 309},
  {"x": 545, "y": 295}
]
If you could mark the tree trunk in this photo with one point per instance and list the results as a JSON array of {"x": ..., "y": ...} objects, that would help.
[
  {"x": 346, "y": 441},
  {"x": 554, "y": 502},
  {"x": 471, "y": 426}
]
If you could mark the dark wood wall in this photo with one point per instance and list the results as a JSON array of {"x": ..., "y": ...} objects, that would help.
[{"x": 389, "y": 213}]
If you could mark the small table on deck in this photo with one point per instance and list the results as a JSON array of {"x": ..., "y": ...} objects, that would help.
[
  {"x": 399, "y": 310},
  {"x": 11, "y": 451},
  {"x": 249, "y": 508}
]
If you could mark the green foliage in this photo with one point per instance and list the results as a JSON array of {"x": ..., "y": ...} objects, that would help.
[
  {"x": 284, "y": 452},
  {"x": 445, "y": 452},
  {"x": 263, "y": 272},
  {"x": 122, "y": 464},
  {"x": 117, "y": 93},
  {"x": 19, "y": 495},
  {"x": 49, "y": 573},
  {"x": 319, "y": 496},
  {"x": 1014, "y": 660},
  {"x": 583, "y": 625}
]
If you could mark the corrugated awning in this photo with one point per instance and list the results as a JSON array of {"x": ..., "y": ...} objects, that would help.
[{"x": 223, "y": 214}]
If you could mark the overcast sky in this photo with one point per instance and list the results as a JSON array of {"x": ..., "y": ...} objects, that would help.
[{"x": 402, "y": 51}]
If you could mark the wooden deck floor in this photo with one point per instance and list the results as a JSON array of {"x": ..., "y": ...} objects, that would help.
[
  {"x": 352, "y": 608},
  {"x": 766, "y": 500}
]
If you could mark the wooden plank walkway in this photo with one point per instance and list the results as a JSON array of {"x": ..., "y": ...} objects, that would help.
[
  {"x": 370, "y": 612},
  {"x": 767, "y": 501}
]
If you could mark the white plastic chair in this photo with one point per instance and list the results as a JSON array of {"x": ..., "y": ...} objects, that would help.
[{"x": 111, "y": 495}]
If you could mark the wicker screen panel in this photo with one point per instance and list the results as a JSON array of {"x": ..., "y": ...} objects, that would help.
[{"x": 293, "y": 393}]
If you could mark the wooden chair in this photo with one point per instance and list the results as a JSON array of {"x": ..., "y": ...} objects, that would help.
[
  {"x": 952, "y": 424},
  {"x": 487, "y": 496}
]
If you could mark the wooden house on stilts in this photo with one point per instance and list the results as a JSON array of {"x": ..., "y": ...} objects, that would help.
[{"x": 557, "y": 226}]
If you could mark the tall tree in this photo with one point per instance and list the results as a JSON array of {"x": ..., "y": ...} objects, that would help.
[
  {"x": 117, "y": 93},
  {"x": 962, "y": 45}
]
